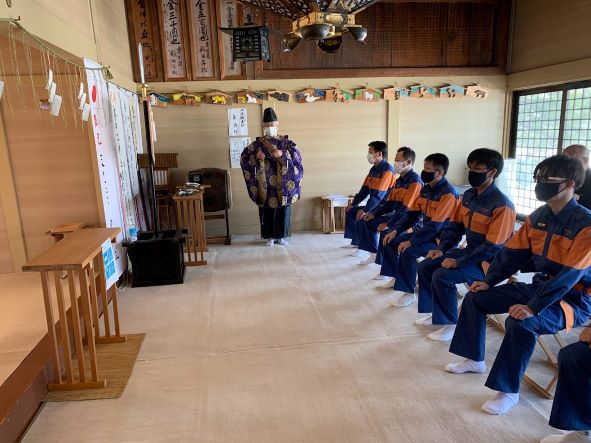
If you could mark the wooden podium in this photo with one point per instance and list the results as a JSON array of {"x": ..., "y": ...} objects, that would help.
[
  {"x": 191, "y": 215},
  {"x": 75, "y": 266}
]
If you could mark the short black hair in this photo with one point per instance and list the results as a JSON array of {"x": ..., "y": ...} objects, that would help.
[
  {"x": 408, "y": 153},
  {"x": 440, "y": 161},
  {"x": 488, "y": 157},
  {"x": 380, "y": 147},
  {"x": 562, "y": 166}
]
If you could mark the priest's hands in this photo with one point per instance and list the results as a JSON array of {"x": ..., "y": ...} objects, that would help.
[
  {"x": 382, "y": 227},
  {"x": 360, "y": 214},
  {"x": 277, "y": 153},
  {"x": 260, "y": 155}
]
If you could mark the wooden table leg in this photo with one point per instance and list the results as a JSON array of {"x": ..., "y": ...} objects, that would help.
[
  {"x": 76, "y": 326},
  {"x": 65, "y": 334},
  {"x": 57, "y": 376}
]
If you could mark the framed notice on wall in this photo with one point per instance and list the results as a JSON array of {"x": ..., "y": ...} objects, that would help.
[
  {"x": 229, "y": 16},
  {"x": 202, "y": 33},
  {"x": 174, "y": 39},
  {"x": 142, "y": 18}
]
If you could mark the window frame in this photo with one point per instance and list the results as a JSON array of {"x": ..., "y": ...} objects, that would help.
[{"x": 564, "y": 88}]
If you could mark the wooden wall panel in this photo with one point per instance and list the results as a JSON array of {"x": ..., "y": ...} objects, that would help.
[
  {"x": 401, "y": 35},
  {"x": 52, "y": 169},
  {"x": 548, "y": 32},
  {"x": 5, "y": 255}
]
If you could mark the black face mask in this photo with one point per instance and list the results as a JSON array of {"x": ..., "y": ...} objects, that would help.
[
  {"x": 427, "y": 177},
  {"x": 545, "y": 191},
  {"x": 477, "y": 178}
]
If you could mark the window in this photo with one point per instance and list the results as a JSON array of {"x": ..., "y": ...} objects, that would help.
[{"x": 544, "y": 121}]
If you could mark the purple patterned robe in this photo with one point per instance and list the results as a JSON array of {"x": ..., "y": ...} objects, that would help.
[{"x": 272, "y": 182}]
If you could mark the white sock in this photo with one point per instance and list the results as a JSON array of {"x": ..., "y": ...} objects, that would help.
[
  {"x": 501, "y": 403},
  {"x": 444, "y": 334},
  {"x": 389, "y": 284},
  {"x": 404, "y": 299},
  {"x": 424, "y": 321},
  {"x": 270, "y": 242},
  {"x": 466, "y": 366},
  {"x": 371, "y": 258},
  {"x": 282, "y": 241},
  {"x": 381, "y": 277}
]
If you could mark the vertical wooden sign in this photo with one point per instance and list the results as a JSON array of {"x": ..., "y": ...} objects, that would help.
[
  {"x": 174, "y": 42},
  {"x": 202, "y": 23},
  {"x": 142, "y": 25},
  {"x": 229, "y": 16}
]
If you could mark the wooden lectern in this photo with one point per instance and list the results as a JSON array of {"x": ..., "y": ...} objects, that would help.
[{"x": 79, "y": 257}]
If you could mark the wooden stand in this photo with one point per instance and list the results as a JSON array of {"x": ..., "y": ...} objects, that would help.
[
  {"x": 59, "y": 232},
  {"x": 190, "y": 214},
  {"x": 79, "y": 256},
  {"x": 333, "y": 214}
]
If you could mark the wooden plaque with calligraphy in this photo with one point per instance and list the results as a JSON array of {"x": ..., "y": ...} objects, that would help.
[
  {"x": 202, "y": 31},
  {"x": 229, "y": 15},
  {"x": 142, "y": 26},
  {"x": 173, "y": 34}
]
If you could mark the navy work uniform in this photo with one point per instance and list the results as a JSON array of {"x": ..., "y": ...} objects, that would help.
[
  {"x": 556, "y": 246},
  {"x": 488, "y": 221},
  {"x": 436, "y": 205},
  {"x": 379, "y": 180},
  {"x": 571, "y": 409},
  {"x": 401, "y": 197}
]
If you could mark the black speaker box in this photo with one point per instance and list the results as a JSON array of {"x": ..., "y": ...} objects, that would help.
[{"x": 157, "y": 259}]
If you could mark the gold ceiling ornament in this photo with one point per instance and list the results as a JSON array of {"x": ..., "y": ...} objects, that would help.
[{"x": 322, "y": 21}]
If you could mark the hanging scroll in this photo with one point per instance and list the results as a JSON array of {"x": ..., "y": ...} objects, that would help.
[
  {"x": 142, "y": 22},
  {"x": 201, "y": 17},
  {"x": 174, "y": 44},
  {"x": 229, "y": 16}
]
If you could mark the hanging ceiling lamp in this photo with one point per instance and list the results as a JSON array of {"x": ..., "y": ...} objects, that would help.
[{"x": 323, "y": 21}]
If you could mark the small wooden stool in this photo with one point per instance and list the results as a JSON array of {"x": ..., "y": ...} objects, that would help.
[{"x": 333, "y": 213}]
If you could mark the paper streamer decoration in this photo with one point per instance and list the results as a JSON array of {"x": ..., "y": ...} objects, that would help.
[{"x": 56, "y": 104}]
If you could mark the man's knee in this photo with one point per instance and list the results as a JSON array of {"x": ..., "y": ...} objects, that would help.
[
  {"x": 411, "y": 253},
  {"x": 427, "y": 268},
  {"x": 513, "y": 325},
  {"x": 440, "y": 275}
]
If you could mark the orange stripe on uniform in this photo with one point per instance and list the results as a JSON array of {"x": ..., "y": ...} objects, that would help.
[
  {"x": 420, "y": 204},
  {"x": 411, "y": 194},
  {"x": 575, "y": 253},
  {"x": 445, "y": 208},
  {"x": 502, "y": 225},
  {"x": 521, "y": 240},
  {"x": 537, "y": 240}
]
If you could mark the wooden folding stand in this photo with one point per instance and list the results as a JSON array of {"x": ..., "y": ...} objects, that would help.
[
  {"x": 79, "y": 257},
  {"x": 190, "y": 214}
]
